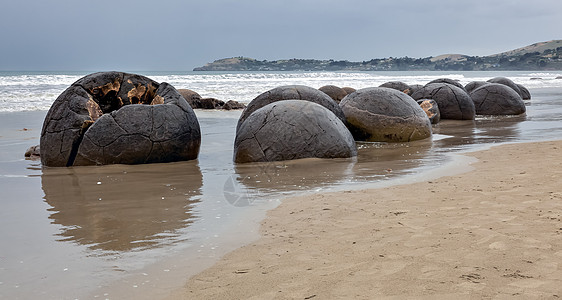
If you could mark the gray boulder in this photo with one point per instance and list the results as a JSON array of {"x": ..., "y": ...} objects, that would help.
[
  {"x": 385, "y": 115},
  {"x": 291, "y": 92},
  {"x": 334, "y": 92},
  {"x": 292, "y": 129},
  {"x": 508, "y": 82},
  {"x": 471, "y": 86},
  {"x": 448, "y": 81},
  {"x": 398, "y": 85},
  {"x": 414, "y": 88},
  {"x": 114, "y": 117},
  {"x": 454, "y": 103},
  {"x": 497, "y": 99},
  {"x": 431, "y": 110},
  {"x": 525, "y": 94}
]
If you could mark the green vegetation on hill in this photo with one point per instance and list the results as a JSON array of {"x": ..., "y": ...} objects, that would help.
[{"x": 539, "y": 56}]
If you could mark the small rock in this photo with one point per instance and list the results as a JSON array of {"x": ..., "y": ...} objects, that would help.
[
  {"x": 211, "y": 103},
  {"x": 231, "y": 104},
  {"x": 33, "y": 152}
]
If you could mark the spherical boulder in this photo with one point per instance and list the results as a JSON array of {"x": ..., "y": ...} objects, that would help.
[
  {"x": 431, "y": 110},
  {"x": 291, "y": 92},
  {"x": 506, "y": 81},
  {"x": 292, "y": 129},
  {"x": 453, "y": 102},
  {"x": 385, "y": 115},
  {"x": 348, "y": 90},
  {"x": 334, "y": 92},
  {"x": 525, "y": 94},
  {"x": 414, "y": 88},
  {"x": 118, "y": 118},
  {"x": 192, "y": 97},
  {"x": 448, "y": 81},
  {"x": 497, "y": 99},
  {"x": 471, "y": 86},
  {"x": 398, "y": 85}
]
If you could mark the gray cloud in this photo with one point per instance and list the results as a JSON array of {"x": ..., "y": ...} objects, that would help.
[{"x": 179, "y": 35}]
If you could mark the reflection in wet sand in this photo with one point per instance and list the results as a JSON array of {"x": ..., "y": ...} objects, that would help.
[
  {"x": 375, "y": 161},
  {"x": 121, "y": 207},
  {"x": 286, "y": 176}
]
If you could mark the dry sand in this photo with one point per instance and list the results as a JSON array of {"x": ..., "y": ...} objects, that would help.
[{"x": 493, "y": 233}]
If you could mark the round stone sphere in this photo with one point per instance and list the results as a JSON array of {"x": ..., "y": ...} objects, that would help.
[
  {"x": 525, "y": 94},
  {"x": 471, "y": 86},
  {"x": 497, "y": 99},
  {"x": 431, "y": 110},
  {"x": 292, "y": 129},
  {"x": 192, "y": 97},
  {"x": 291, "y": 92},
  {"x": 508, "y": 82},
  {"x": 448, "y": 81},
  {"x": 382, "y": 114},
  {"x": 454, "y": 103},
  {"x": 119, "y": 118},
  {"x": 348, "y": 90},
  {"x": 398, "y": 85},
  {"x": 334, "y": 92},
  {"x": 414, "y": 88}
]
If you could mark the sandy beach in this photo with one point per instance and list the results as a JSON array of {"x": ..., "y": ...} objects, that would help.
[{"x": 491, "y": 233}]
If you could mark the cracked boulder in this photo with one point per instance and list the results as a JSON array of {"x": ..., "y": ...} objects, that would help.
[
  {"x": 431, "y": 110},
  {"x": 291, "y": 92},
  {"x": 385, "y": 115},
  {"x": 292, "y": 129},
  {"x": 454, "y": 102},
  {"x": 448, "y": 81},
  {"x": 414, "y": 88},
  {"x": 118, "y": 118},
  {"x": 471, "y": 86},
  {"x": 334, "y": 92},
  {"x": 497, "y": 99},
  {"x": 399, "y": 86}
]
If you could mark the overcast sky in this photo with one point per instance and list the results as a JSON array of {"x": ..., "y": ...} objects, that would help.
[{"x": 174, "y": 35}]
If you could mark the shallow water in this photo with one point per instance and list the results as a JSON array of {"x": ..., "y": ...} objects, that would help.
[{"x": 137, "y": 231}]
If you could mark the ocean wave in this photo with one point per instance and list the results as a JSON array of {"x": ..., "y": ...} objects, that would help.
[{"x": 24, "y": 92}]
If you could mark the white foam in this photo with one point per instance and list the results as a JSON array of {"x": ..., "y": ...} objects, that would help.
[{"x": 24, "y": 92}]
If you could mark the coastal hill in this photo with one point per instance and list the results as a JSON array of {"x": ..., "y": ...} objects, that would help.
[{"x": 539, "y": 56}]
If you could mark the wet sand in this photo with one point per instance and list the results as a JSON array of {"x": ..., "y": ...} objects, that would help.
[{"x": 493, "y": 232}]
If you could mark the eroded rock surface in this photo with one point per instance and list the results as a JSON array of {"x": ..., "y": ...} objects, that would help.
[
  {"x": 292, "y": 129},
  {"x": 497, "y": 99},
  {"x": 291, "y": 92},
  {"x": 385, "y": 115},
  {"x": 114, "y": 117},
  {"x": 431, "y": 110},
  {"x": 453, "y": 102}
]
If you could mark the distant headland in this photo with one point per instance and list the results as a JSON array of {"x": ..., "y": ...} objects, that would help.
[{"x": 539, "y": 56}]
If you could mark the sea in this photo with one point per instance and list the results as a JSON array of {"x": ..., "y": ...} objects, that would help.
[{"x": 138, "y": 232}]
